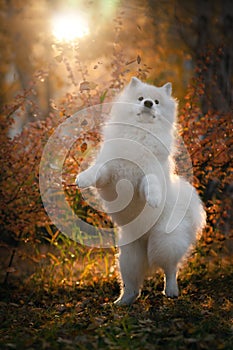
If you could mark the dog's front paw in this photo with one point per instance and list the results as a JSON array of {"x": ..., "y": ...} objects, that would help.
[
  {"x": 154, "y": 199},
  {"x": 82, "y": 180},
  {"x": 150, "y": 190},
  {"x": 95, "y": 176}
]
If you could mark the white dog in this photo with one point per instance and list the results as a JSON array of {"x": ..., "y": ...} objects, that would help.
[{"x": 158, "y": 213}]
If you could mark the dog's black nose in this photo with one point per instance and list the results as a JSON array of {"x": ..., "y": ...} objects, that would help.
[{"x": 148, "y": 103}]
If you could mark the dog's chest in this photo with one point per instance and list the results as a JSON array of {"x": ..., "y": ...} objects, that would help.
[{"x": 124, "y": 169}]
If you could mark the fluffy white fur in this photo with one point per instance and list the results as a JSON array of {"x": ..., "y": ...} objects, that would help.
[{"x": 158, "y": 213}]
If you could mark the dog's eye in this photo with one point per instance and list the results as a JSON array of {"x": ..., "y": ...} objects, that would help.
[
  {"x": 140, "y": 98},
  {"x": 156, "y": 102}
]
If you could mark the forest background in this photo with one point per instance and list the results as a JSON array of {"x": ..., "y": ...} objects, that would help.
[{"x": 46, "y": 78}]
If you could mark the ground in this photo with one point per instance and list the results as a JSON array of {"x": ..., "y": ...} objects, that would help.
[{"x": 83, "y": 317}]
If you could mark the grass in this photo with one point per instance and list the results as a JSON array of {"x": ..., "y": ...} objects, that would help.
[{"x": 38, "y": 316}]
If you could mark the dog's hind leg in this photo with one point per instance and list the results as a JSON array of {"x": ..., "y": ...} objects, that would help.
[{"x": 133, "y": 267}]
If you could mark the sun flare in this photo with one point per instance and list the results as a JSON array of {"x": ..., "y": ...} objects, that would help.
[{"x": 68, "y": 27}]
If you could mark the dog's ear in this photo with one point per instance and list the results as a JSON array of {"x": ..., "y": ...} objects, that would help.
[
  {"x": 134, "y": 81},
  {"x": 168, "y": 88}
]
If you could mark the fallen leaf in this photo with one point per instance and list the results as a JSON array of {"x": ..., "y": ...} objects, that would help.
[{"x": 86, "y": 85}]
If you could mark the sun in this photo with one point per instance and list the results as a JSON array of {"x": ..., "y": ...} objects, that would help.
[{"x": 69, "y": 26}]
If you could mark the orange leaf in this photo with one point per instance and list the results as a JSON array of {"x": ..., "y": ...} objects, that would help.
[{"x": 83, "y": 147}]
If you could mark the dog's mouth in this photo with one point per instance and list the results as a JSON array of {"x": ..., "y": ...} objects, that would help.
[{"x": 147, "y": 115}]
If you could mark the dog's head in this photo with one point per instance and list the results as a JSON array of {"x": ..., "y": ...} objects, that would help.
[{"x": 147, "y": 103}]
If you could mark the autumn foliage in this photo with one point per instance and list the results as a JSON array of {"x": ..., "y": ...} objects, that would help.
[{"x": 208, "y": 138}]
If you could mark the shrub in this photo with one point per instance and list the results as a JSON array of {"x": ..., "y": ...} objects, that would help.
[{"x": 207, "y": 137}]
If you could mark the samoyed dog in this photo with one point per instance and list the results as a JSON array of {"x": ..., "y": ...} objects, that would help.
[{"x": 158, "y": 213}]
